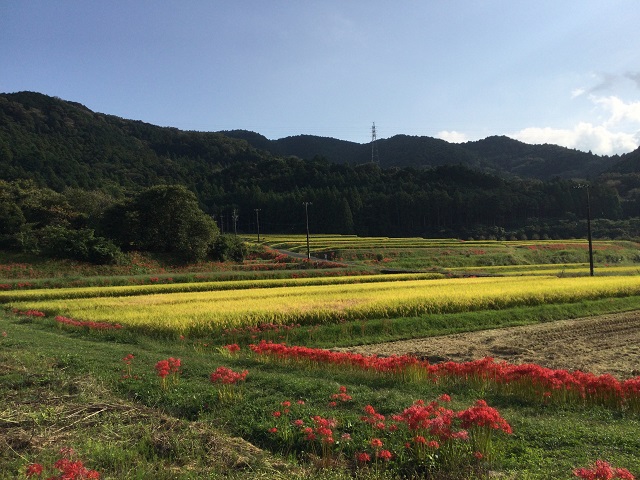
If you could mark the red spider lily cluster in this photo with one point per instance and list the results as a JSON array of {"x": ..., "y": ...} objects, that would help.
[
  {"x": 228, "y": 381},
  {"x": 483, "y": 416},
  {"x": 19, "y": 285},
  {"x": 341, "y": 396},
  {"x": 232, "y": 348},
  {"x": 88, "y": 324},
  {"x": 226, "y": 376},
  {"x": 421, "y": 431},
  {"x": 71, "y": 321},
  {"x": 69, "y": 469},
  {"x": 529, "y": 380},
  {"x": 164, "y": 368},
  {"x": 30, "y": 313},
  {"x": 601, "y": 470},
  {"x": 269, "y": 328}
]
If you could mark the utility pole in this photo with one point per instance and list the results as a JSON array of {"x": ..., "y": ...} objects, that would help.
[
  {"x": 221, "y": 224},
  {"x": 586, "y": 187},
  {"x": 258, "y": 222},
  {"x": 235, "y": 222},
  {"x": 306, "y": 212}
]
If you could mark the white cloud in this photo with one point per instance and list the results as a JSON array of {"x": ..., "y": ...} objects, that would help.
[
  {"x": 452, "y": 136},
  {"x": 619, "y": 112},
  {"x": 609, "y": 137},
  {"x": 577, "y": 92},
  {"x": 584, "y": 136}
]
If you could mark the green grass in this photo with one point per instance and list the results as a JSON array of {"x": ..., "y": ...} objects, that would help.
[{"x": 63, "y": 388}]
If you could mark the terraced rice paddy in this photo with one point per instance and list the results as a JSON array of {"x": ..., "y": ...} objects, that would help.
[{"x": 209, "y": 311}]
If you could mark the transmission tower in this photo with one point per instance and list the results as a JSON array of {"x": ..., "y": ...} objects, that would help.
[{"x": 374, "y": 147}]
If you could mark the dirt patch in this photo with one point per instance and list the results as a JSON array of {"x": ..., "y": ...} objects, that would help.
[{"x": 602, "y": 344}]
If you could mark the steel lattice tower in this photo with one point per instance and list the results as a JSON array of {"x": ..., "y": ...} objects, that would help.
[{"x": 374, "y": 147}]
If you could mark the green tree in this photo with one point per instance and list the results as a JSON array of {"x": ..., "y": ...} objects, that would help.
[{"x": 163, "y": 219}]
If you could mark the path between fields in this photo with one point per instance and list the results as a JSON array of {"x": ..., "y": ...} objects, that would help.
[{"x": 600, "y": 344}]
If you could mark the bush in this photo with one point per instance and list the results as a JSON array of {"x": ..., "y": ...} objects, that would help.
[
  {"x": 60, "y": 242},
  {"x": 229, "y": 247}
]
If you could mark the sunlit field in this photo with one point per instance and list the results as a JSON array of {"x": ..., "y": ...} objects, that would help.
[
  {"x": 559, "y": 256},
  {"x": 207, "y": 311},
  {"x": 173, "y": 376}
]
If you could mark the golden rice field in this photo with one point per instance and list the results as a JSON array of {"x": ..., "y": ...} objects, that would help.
[
  {"x": 549, "y": 269},
  {"x": 319, "y": 243},
  {"x": 202, "y": 312}
]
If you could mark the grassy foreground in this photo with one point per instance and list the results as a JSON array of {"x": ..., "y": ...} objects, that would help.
[
  {"x": 64, "y": 388},
  {"x": 104, "y": 393}
]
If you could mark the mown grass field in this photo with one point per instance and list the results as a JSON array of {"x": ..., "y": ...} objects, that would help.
[{"x": 71, "y": 385}]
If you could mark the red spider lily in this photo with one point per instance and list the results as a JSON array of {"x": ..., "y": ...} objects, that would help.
[
  {"x": 174, "y": 365},
  {"x": 127, "y": 361},
  {"x": 227, "y": 376},
  {"x": 88, "y": 324},
  {"x": 529, "y": 380},
  {"x": 69, "y": 469},
  {"x": 481, "y": 415},
  {"x": 384, "y": 455},
  {"x": 373, "y": 418},
  {"x": 342, "y": 395},
  {"x": 363, "y": 457},
  {"x": 228, "y": 381},
  {"x": 31, "y": 313},
  {"x": 601, "y": 470},
  {"x": 376, "y": 443},
  {"x": 232, "y": 348},
  {"x": 163, "y": 368},
  {"x": 33, "y": 470}
]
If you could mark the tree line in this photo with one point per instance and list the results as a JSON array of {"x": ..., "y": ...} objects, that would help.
[{"x": 90, "y": 185}]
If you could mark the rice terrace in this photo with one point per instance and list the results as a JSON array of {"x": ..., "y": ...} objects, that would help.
[{"x": 374, "y": 358}]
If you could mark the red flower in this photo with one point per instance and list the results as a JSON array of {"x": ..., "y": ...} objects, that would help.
[
  {"x": 603, "y": 471},
  {"x": 34, "y": 469},
  {"x": 232, "y": 348},
  {"x": 385, "y": 455},
  {"x": 363, "y": 457},
  {"x": 376, "y": 443},
  {"x": 227, "y": 376},
  {"x": 163, "y": 368}
]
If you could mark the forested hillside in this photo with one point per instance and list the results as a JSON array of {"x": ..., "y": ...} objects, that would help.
[
  {"x": 500, "y": 155},
  {"x": 84, "y": 166}
]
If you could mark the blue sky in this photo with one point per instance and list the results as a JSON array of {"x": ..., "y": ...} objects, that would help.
[{"x": 547, "y": 71}]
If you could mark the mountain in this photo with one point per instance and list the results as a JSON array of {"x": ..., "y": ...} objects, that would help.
[
  {"x": 498, "y": 154},
  {"x": 64, "y": 144},
  {"x": 53, "y": 138},
  {"x": 628, "y": 163},
  {"x": 538, "y": 161},
  {"x": 422, "y": 186}
]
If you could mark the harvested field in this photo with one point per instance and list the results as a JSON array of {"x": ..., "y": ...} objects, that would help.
[{"x": 602, "y": 344}]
